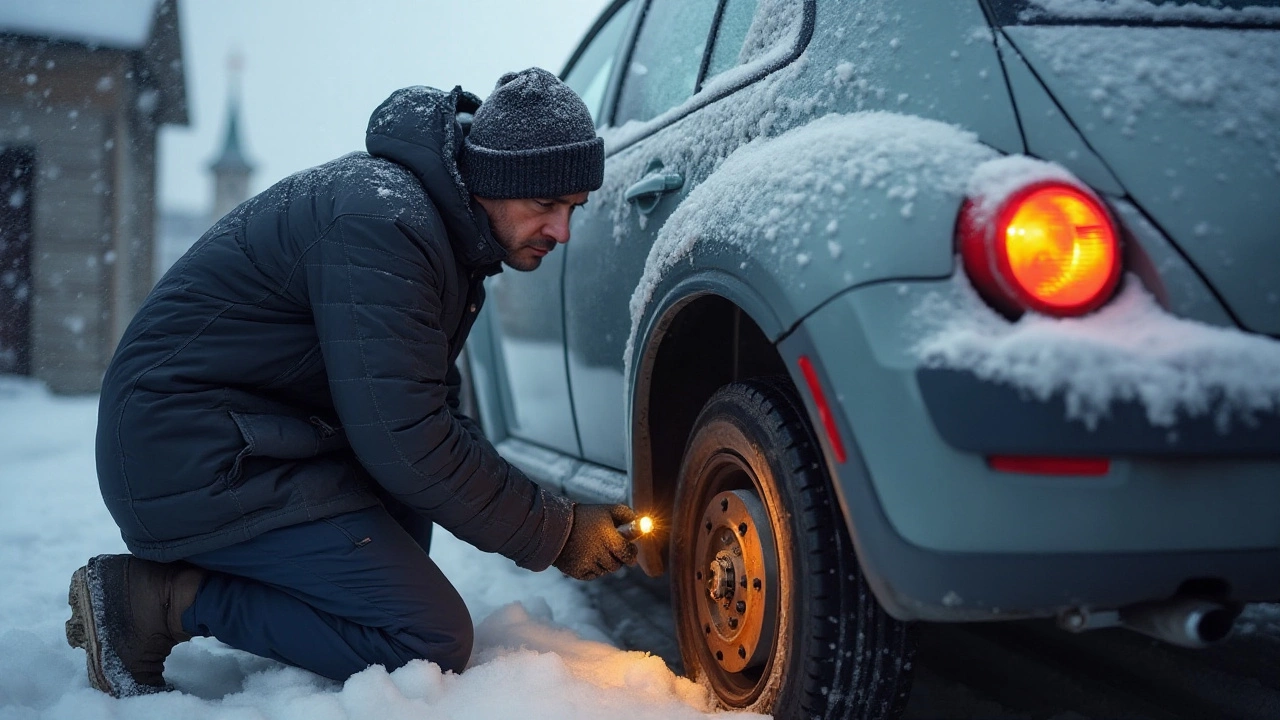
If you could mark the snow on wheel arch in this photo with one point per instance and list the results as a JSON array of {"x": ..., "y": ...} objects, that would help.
[{"x": 765, "y": 195}]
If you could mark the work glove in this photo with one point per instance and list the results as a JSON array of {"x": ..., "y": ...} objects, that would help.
[{"x": 595, "y": 547}]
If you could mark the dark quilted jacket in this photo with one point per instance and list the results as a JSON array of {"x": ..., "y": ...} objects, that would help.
[{"x": 303, "y": 350}]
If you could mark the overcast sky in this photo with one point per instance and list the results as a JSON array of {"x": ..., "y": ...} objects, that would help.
[{"x": 315, "y": 69}]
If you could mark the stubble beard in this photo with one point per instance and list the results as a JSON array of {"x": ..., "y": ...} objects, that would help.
[{"x": 519, "y": 255}]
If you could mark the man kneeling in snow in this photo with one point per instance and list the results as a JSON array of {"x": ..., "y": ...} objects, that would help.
[{"x": 279, "y": 428}]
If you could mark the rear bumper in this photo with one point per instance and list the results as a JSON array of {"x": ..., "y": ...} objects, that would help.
[{"x": 941, "y": 536}]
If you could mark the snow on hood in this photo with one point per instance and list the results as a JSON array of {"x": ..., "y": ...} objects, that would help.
[
  {"x": 1130, "y": 350},
  {"x": 747, "y": 201}
]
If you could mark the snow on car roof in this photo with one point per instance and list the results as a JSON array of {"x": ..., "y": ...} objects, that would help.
[{"x": 123, "y": 24}]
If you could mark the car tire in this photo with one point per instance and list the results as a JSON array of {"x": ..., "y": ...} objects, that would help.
[{"x": 798, "y": 634}]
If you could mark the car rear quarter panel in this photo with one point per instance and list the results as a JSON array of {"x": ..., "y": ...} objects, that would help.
[{"x": 885, "y": 221}]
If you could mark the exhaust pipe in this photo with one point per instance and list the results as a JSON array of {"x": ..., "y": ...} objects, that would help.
[{"x": 1187, "y": 622}]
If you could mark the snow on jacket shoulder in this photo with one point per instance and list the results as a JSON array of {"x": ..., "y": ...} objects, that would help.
[{"x": 303, "y": 350}]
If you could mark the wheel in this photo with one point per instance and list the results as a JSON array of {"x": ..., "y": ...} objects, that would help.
[{"x": 772, "y": 612}]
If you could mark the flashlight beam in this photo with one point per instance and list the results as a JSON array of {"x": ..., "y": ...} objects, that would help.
[{"x": 636, "y": 528}]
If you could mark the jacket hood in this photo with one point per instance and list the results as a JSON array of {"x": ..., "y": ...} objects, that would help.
[{"x": 418, "y": 128}]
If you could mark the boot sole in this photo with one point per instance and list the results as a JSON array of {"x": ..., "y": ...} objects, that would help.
[{"x": 82, "y": 630}]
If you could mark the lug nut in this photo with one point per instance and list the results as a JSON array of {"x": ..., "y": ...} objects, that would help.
[
  {"x": 724, "y": 506},
  {"x": 742, "y": 652},
  {"x": 706, "y": 629},
  {"x": 719, "y": 655},
  {"x": 741, "y": 606},
  {"x": 742, "y": 528},
  {"x": 755, "y": 583}
]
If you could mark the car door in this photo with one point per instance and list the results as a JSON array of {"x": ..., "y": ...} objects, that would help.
[
  {"x": 644, "y": 183},
  {"x": 526, "y": 319}
]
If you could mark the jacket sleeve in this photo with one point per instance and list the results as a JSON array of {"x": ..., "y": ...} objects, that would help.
[{"x": 375, "y": 296}]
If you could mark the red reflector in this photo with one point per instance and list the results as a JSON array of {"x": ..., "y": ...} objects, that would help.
[
  {"x": 1049, "y": 465},
  {"x": 824, "y": 410}
]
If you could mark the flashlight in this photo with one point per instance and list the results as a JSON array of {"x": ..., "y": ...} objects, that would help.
[{"x": 636, "y": 528}]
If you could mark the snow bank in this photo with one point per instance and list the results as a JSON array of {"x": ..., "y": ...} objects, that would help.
[
  {"x": 770, "y": 194},
  {"x": 1130, "y": 350},
  {"x": 541, "y": 649},
  {"x": 1147, "y": 10}
]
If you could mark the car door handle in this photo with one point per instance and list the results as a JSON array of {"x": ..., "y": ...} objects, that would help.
[{"x": 654, "y": 185}]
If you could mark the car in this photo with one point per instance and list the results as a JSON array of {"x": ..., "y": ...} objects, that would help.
[{"x": 898, "y": 312}]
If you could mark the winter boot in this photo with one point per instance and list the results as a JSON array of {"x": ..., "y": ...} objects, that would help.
[{"x": 127, "y": 615}]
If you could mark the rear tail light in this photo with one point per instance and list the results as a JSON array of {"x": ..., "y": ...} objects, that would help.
[{"x": 1050, "y": 247}]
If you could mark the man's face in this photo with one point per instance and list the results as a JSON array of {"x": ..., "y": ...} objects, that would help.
[{"x": 529, "y": 228}]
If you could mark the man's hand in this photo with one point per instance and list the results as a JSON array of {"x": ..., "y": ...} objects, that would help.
[{"x": 594, "y": 547}]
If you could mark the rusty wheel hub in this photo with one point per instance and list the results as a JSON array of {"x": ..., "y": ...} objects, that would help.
[{"x": 736, "y": 561}]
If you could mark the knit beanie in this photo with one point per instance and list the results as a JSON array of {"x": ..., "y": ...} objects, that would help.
[{"x": 532, "y": 138}]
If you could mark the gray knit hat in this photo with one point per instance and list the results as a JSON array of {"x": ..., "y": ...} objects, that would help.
[{"x": 533, "y": 138}]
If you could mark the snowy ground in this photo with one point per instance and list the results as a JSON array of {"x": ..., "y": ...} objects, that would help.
[{"x": 541, "y": 650}]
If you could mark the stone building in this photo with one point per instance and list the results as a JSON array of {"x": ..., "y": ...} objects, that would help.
[{"x": 84, "y": 88}]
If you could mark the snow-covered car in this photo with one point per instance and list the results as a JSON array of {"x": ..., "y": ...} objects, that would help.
[{"x": 914, "y": 311}]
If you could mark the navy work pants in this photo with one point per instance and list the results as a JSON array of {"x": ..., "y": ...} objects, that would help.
[{"x": 335, "y": 596}]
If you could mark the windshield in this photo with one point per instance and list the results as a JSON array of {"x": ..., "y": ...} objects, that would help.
[{"x": 1228, "y": 13}]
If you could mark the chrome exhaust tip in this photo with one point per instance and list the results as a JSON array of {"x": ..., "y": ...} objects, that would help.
[{"x": 1186, "y": 622}]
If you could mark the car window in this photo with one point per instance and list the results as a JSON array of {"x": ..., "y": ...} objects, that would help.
[
  {"x": 589, "y": 76},
  {"x": 730, "y": 35},
  {"x": 668, "y": 54}
]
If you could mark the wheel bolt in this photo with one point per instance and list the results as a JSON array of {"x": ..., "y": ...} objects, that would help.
[
  {"x": 742, "y": 652},
  {"x": 741, "y": 606},
  {"x": 706, "y": 629},
  {"x": 733, "y": 623},
  {"x": 719, "y": 655},
  {"x": 756, "y": 583},
  {"x": 724, "y": 506},
  {"x": 742, "y": 528}
]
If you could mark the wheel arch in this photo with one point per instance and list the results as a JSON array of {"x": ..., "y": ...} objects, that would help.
[{"x": 707, "y": 330}]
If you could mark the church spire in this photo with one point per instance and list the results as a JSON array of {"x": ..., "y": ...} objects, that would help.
[{"x": 232, "y": 168}]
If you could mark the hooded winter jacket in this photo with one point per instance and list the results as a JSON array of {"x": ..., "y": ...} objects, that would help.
[{"x": 304, "y": 350}]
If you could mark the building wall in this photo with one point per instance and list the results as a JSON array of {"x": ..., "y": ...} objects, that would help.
[{"x": 94, "y": 199}]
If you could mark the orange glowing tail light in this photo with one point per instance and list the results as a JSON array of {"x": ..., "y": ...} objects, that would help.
[{"x": 1050, "y": 247}]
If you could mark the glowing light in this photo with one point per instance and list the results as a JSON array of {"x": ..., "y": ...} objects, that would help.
[
  {"x": 646, "y": 525},
  {"x": 1061, "y": 247}
]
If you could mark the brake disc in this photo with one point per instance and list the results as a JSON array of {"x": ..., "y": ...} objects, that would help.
[{"x": 736, "y": 568}]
